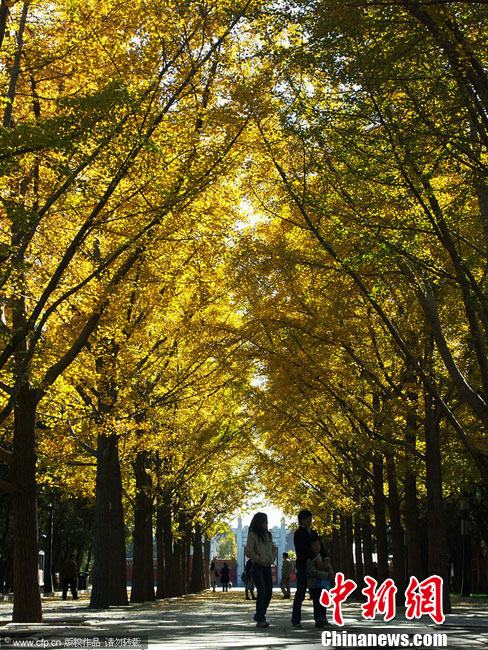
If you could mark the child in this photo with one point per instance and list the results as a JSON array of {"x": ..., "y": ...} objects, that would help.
[{"x": 319, "y": 576}]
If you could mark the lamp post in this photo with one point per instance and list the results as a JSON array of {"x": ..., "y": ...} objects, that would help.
[
  {"x": 48, "y": 572},
  {"x": 466, "y": 551}
]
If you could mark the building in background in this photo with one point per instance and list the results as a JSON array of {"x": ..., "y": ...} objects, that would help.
[{"x": 282, "y": 542}]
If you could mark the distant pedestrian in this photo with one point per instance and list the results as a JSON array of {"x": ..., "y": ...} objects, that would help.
[
  {"x": 259, "y": 549},
  {"x": 285, "y": 576},
  {"x": 214, "y": 575},
  {"x": 302, "y": 539},
  {"x": 224, "y": 577},
  {"x": 319, "y": 576},
  {"x": 248, "y": 581},
  {"x": 69, "y": 577}
]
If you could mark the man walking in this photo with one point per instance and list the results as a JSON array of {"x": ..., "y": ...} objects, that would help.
[
  {"x": 69, "y": 576},
  {"x": 285, "y": 576},
  {"x": 225, "y": 576},
  {"x": 302, "y": 541}
]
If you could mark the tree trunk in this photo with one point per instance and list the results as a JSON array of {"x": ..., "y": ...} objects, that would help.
[
  {"x": 27, "y": 599},
  {"x": 6, "y": 546},
  {"x": 185, "y": 552},
  {"x": 3, "y": 20},
  {"x": 48, "y": 555},
  {"x": 336, "y": 543},
  {"x": 88, "y": 559},
  {"x": 380, "y": 519},
  {"x": 397, "y": 532},
  {"x": 16, "y": 67},
  {"x": 109, "y": 567},
  {"x": 160, "y": 572},
  {"x": 438, "y": 552},
  {"x": 411, "y": 511},
  {"x": 206, "y": 562},
  {"x": 188, "y": 562},
  {"x": 367, "y": 542},
  {"x": 171, "y": 576},
  {"x": 412, "y": 526},
  {"x": 197, "y": 580},
  {"x": 143, "y": 566},
  {"x": 178, "y": 568},
  {"x": 358, "y": 550},
  {"x": 348, "y": 547},
  {"x": 342, "y": 544}
]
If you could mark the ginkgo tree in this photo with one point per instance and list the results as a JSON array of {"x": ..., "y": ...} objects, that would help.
[
  {"x": 372, "y": 184},
  {"x": 154, "y": 394},
  {"x": 101, "y": 144},
  {"x": 338, "y": 408}
]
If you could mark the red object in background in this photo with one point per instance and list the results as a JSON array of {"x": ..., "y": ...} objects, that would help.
[{"x": 232, "y": 564}]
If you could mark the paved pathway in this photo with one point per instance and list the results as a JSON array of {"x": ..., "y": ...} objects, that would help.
[{"x": 219, "y": 621}]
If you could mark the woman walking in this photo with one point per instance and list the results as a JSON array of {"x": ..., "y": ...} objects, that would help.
[{"x": 259, "y": 549}]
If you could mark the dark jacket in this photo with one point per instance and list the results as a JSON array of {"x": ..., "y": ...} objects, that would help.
[
  {"x": 224, "y": 574},
  {"x": 301, "y": 539},
  {"x": 69, "y": 570}
]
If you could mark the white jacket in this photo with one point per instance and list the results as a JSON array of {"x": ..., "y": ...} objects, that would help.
[{"x": 258, "y": 550}]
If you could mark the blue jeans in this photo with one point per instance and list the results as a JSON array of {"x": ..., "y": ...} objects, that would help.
[
  {"x": 264, "y": 587},
  {"x": 296, "y": 616}
]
